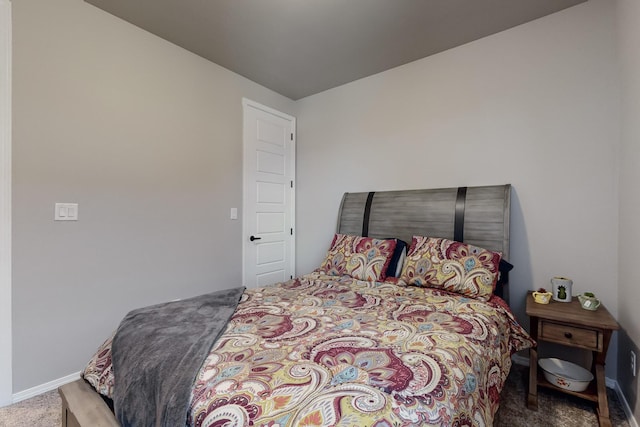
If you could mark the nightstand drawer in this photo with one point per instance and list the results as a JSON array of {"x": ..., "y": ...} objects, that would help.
[{"x": 570, "y": 335}]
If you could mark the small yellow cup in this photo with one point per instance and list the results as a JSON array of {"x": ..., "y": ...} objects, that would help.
[{"x": 542, "y": 297}]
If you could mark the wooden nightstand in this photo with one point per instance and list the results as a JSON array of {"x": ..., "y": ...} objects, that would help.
[{"x": 569, "y": 324}]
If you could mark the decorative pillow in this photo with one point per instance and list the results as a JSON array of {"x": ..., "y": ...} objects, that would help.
[
  {"x": 363, "y": 258},
  {"x": 452, "y": 266},
  {"x": 397, "y": 259}
]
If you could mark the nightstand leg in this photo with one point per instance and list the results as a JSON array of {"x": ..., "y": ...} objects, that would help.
[
  {"x": 604, "y": 422},
  {"x": 603, "y": 404}
]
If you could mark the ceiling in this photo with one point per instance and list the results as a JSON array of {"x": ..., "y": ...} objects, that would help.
[{"x": 301, "y": 47}]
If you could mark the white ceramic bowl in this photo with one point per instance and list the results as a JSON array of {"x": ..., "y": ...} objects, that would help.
[{"x": 566, "y": 375}]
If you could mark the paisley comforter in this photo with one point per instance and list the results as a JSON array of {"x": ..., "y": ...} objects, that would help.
[{"x": 325, "y": 351}]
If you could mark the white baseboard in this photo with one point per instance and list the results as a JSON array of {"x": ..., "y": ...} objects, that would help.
[
  {"x": 43, "y": 388},
  {"x": 625, "y": 405},
  {"x": 610, "y": 382}
]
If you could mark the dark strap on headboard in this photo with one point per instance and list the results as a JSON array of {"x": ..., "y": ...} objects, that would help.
[
  {"x": 367, "y": 213},
  {"x": 458, "y": 225}
]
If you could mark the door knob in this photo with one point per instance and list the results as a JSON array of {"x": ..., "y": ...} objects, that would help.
[{"x": 252, "y": 238}]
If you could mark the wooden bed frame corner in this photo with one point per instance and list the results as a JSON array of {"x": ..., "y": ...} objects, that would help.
[{"x": 82, "y": 406}]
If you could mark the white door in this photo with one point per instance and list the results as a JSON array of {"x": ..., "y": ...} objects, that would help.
[
  {"x": 268, "y": 199},
  {"x": 6, "y": 386}
]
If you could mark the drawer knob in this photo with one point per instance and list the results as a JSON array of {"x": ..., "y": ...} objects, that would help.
[{"x": 568, "y": 335}]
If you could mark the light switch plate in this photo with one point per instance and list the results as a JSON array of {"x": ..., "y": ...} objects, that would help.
[
  {"x": 234, "y": 213},
  {"x": 66, "y": 212}
]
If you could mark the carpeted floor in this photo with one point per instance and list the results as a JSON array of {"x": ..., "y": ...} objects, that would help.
[
  {"x": 39, "y": 411},
  {"x": 556, "y": 409}
]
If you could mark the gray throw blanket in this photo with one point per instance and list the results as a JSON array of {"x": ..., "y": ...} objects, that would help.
[{"x": 157, "y": 352}]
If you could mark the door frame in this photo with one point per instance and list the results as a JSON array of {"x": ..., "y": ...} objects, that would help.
[
  {"x": 6, "y": 369},
  {"x": 245, "y": 229}
]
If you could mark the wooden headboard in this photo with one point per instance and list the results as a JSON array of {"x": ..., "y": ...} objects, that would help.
[{"x": 475, "y": 215}]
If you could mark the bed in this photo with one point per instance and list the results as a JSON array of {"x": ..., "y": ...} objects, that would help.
[{"x": 379, "y": 335}]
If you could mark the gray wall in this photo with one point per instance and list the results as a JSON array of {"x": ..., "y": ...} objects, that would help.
[
  {"x": 629, "y": 245},
  {"x": 536, "y": 106},
  {"x": 147, "y": 138}
]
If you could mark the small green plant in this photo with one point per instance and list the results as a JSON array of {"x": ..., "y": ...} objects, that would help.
[{"x": 589, "y": 294}]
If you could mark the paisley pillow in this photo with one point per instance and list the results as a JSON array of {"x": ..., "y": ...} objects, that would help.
[
  {"x": 363, "y": 258},
  {"x": 452, "y": 266}
]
